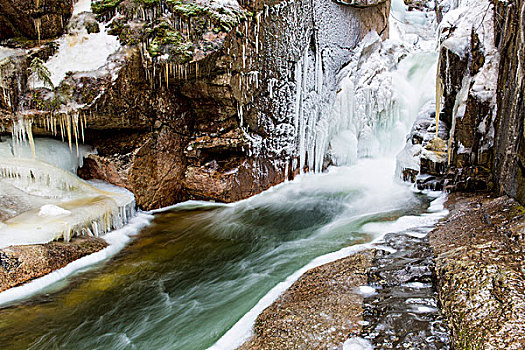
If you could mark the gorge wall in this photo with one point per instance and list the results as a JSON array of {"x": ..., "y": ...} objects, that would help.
[
  {"x": 480, "y": 95},
  {"x": 201, "y": 101},
  {"x": 509, "y": 159}
]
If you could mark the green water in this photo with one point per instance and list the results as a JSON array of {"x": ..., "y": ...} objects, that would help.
[{"x": 196, "y": 270}]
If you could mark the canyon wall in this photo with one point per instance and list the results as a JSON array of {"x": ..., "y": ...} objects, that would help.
[
  {"x": 480, "y": 91},
  {"x": 509, "y": 158},
  {"x": 203, "y": 103}
]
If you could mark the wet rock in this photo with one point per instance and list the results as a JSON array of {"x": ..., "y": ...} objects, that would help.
[
  {"x": 20, "y": 264},
  {"x": 468, "y": 65},
  {"x": 319, "y": 311},
  {"x": 424, "y": 158},
  {"x": 403, "y": 312}
]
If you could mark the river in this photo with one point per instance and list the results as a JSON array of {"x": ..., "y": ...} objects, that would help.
[{"x": 198, "y": 268}]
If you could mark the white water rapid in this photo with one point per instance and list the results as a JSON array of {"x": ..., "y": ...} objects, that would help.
[{"x": 381, "y": 92}]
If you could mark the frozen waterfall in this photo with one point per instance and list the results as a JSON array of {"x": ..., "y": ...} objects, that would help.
[{"x": 380, "y": 93}]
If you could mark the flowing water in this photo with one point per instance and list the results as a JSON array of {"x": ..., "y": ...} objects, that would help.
[
  {"x": 199, "y": 274},
  {"x": 198, "y": 268}
]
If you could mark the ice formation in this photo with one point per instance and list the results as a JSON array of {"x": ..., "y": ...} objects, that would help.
[
  {"x": 46, "y": 150},
  {"x": 52, "y": 210},
  {"x": 382, "y": 90},
  {"x": 56, "y": 203},
  {"x": 80, "y": 51}
]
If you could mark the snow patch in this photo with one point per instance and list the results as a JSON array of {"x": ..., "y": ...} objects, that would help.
[
  {"x": 366, "y": 291},
  {"x": 52, "y": 210},
  {"x": 357, "y": 343}
]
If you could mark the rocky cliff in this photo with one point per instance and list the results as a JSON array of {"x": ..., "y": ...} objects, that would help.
[
  {"x": 39, "y": 19},
  {"x": 203, "y": 100},
  {"x": 480, "y": 98},
  {"x": 509, "y": 158}
]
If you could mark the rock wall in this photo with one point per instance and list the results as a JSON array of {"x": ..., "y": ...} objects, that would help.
[
  {"x": 509, "y": 165},
  {"x": 482, "y": 96},
  {"x": 206, "y": 104},
  {"x": 38, "y": 19},
  {"x": 469, "y": 64}
]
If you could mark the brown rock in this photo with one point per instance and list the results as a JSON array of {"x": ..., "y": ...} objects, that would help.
[
  {"x": 20, "y": 264},
  {"x": 479, "y": 259},
  {"x": 319, "y": 311},
  {"x": 34, "y": 19}
]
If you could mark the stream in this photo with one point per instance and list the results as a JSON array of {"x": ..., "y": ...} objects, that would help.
[
  {"x": 199, "y": 273},
  {"x": 187, "y": 278}
]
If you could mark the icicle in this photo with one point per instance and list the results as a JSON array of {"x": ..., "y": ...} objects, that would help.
[
  {"x": 439, "y": 95},
  {"x": 38, "y": 24},
  {"x": 29, "y": 130},
  {"x": 257, "y": 29},
  {"x": 68, "y": 128},
  {"x": 167, "y": 75}
]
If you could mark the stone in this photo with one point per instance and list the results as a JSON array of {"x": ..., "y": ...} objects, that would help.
[
  {"x": 323, "y": 302},
  {"x": 34, "y": 19},
  {"x": 478, "y": 267},
  {"x": 21, "y": 264}
]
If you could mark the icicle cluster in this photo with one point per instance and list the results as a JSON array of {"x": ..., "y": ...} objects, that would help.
[{"x": 92, "y": 211}]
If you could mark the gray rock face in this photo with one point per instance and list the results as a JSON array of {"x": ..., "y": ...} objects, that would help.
[
  {"x": 468, "y": 72},
  {"x": 510, "y": 140}
]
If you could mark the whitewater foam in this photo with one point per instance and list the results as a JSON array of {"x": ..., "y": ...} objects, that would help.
[{"x": 242, "y": 330}]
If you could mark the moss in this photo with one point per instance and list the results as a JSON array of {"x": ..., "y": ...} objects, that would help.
[
  {"x": 167, "y": 40},
  {"x": 516, "y": 211},
  {"x": 224, "y": 18},
  {"x": 104, "y": 6},
  {"x": 187, "y": 10},
  {"x": 147, "y": 3}
]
